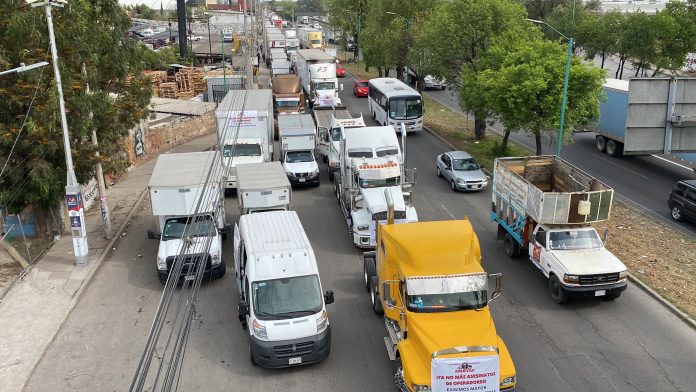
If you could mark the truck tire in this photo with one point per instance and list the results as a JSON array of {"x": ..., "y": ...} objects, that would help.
[
  {"x": 614, "y": 148},
  {"x": 399, "y": 381},
  {"x": 331, "y": 175},
  {"x": 368, "y": 271},
  {"x": 556, "y": 290},
  {"x": 511, "y": 247},
  {"x": 374, "y": 296},
  {"x": 163, "y": 279},
  {"x": 600, "y": 143}
]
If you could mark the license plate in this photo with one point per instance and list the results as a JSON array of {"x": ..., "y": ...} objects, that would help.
[
  {"x": 302, "y": 180},
  {"x": 189, "y": 277},
  {"x": 295, "y": 361},
  {"x": 600, "y": 293}
]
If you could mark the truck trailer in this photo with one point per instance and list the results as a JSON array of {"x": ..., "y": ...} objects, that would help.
[
  {"x": 262, "y": 187},
  {"x": 544, "y": 208},
  {"x": 298, "y": 135},
  {"x": 317, "y": 70}
]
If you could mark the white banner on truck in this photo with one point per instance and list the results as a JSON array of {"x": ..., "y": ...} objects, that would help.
[
  {"x": 465, "y": 374},
  {"x": 245, "y": 119}
]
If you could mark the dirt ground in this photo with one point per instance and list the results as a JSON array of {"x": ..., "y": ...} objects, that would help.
[
  {"x": 7, "y": 272},
  {"x": 660, "y": 256}
]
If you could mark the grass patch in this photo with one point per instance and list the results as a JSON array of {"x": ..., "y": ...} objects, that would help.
[{"x": 358, "y": 69}]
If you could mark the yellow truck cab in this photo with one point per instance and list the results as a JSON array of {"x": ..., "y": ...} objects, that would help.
[{"x": 427, "y": 280}]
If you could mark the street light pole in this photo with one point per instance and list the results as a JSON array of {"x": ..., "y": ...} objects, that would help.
[
  {"x": 566, "y": 78},
  {"x": 73, "y": 194},
  {"x": 23, "y": 68}
]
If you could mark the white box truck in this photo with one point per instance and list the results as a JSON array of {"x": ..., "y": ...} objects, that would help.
[
  {"x": 329, "y": 125},
  {"x": 245, "y": 130},
  {"x": 189, "y": 213},
  {"x": 280, "y": 295},
  {"x": 262, "y": 187},
  {"x": 298, "y": 135},
  {"x": 318, "y": 73}
]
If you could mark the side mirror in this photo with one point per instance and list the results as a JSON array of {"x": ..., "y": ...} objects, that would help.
[
  {"x": 385, "y": 293},
  {"x": 152, "y": 236},
  {"x": 498, "y": 286},
  {"x": 328, "y": 297},
  {"x": 243, "y": 308},
  {"x": 606, "y": 236}
]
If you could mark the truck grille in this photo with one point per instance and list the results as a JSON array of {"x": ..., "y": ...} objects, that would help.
[
  {"x": 383, "y": 215},
  {"x": 301, "y": 175},
  {"x": 599, "y": 279},
  {"x": 190, "y": 262},
  {"x": 293, "y": 350}
]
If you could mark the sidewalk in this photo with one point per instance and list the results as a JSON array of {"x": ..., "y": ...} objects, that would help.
[{"x": 34, "y": 310}]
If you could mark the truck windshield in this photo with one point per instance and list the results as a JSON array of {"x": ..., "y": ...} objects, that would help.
[
  {"x": 574, "y": 239},
  {"x": 391, "y": 181},
  {"x": 405, "y": 108},
  {"x": 360, "y": 153},
  {"x": 432, "y": 303},
  {"x": 387, "y": 151},
  {"x": 287, "y": 297},
  {"x": 315, "y": 41},
  {"x": 177, "y": 228},
  {"x": 299, "y": 156},
  {"x": 324, "y": 86},
  {"x": 288, "y": 103},
  {"x": 336, "y": 134},
  {"x": 242, "y": 150},
  {"x": 466, "y": 164}
]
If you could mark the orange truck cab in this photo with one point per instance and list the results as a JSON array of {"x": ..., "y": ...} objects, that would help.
[{"x": 427, "y": 280}]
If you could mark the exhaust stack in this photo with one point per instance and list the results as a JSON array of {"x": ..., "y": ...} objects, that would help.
[{"x": 390, "y": 206}]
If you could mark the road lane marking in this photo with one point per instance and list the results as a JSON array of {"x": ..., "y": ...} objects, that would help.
[
  {"x": 447, "y": 211},
  {"x": 674, "y": 163},
  {"x": 617, "y": 165}
]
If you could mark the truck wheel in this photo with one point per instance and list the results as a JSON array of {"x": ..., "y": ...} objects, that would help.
[
  {"x": 399, "y": 382},
  {"x": 556, "y": 290},
  {"x": 600, "y": 143},
  {"x": 368, "y": 271},
  {"x": 614, "y": 148},
  {"x": 374, "y": 296},
  {"x": 163, "y": 279},
  {"x": 510, "y": 246},
  {"x": 331, "y": 175}
]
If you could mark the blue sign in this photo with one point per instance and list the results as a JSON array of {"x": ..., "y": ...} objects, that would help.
[{"x": 75, "y": 221}]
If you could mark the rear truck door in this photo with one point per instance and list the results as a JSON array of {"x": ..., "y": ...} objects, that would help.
[
  {"x": 323, "y": 143},
  {"x": 238, "y": 258},
  {"x": 538, "y": 253}
]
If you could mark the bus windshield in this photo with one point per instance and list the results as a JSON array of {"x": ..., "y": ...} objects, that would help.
[{"x": 405, "y": 108}]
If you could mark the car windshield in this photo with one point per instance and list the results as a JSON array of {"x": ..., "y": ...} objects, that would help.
[
  {"x": 324, "y": 86},
  {"x": 361, "y": 84},
  {"x": 370, "y": 183},
  {"x": 177, "y": 228},
  {"x": 298, "y": 156},
  {"x": 287, "y": 297},
  {"x": 432, "y": 303},
  {"x": 242, "y": 150},
  {"x": 336, "y": 134},
  {"x": 466, "y": 164},
  {"x": 288, "y": 104},
  {"x": 574, "y": 239},
  {"x": 405, "y": 108}
]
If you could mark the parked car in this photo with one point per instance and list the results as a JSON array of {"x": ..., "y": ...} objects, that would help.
[
  {"x": 431, "y": 82},
  {"x": 340, "y": 70},
  {"x": 682, "y": 200},
  {"x": 360, "y": 88},
  {"x": 462, "y": 171},
  {"x": 195, "y": 38}
]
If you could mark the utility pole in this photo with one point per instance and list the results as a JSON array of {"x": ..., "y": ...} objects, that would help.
[
  {"x": 73, "y": 191},
  {"x": 181, "y": 22},
  {"x": 103, "y": 198}
]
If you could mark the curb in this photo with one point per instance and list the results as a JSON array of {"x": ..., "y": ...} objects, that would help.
[
  {"x": 637, "y": 282},
  {"x": 97, "y": 264}
]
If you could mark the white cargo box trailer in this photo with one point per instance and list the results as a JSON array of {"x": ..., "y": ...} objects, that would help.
[
  {"x": 297, "y": 132},
  {"x": 263, "y": 187}
]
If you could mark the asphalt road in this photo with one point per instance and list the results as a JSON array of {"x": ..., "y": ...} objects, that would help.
[
  {"x": 644, "y": 180},
  {"x": 632, "y": 344}
]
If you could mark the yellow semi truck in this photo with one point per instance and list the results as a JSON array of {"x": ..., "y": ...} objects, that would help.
[{"x": 427, "y": 280}]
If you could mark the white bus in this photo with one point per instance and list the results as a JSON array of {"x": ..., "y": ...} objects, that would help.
[{"x": 392, "y": 102}]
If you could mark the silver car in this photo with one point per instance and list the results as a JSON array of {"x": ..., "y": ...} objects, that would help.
[{"x": 462, "y": 171}]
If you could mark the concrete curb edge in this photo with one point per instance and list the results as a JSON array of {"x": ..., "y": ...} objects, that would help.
[
  {"x": 654, "y": 294},
  {"x": 97, "y": 264}
]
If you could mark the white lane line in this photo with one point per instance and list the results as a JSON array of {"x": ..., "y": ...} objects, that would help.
[
  {"x": 674, "y": 163},
  {"x": 447, "y": 211},
  {"x": 617, "y": 165}
]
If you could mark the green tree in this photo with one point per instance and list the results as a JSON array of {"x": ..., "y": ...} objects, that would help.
[
  {"x": 89, "y": 32},
  {"x": 526, "y": 89},
  {"x": 599, "y": 34},
  {"x": 541, "y": 9},
  {"x": 675, "y": 30},
  {"x": 458, "y": 33}
]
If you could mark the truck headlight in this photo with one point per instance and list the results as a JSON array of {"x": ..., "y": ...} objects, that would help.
[
  {"x": 363, "y": 227},
  {"x": 215, "y": 259},
  {"x": 623, "y": 275},
  {"x": 571, "y": 279},
  {"x": 161, "y": 263},
  {"x": 508, "y": 381},
  {"x": 420, "y": 388},
  {"x": 259, "y": 330},
  {"x": 314, "y": 172},
  {"x": 322, "y": 321}
]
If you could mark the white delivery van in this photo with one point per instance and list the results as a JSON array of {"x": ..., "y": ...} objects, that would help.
[
  {"x": 297, "y": 142},
  {"x": 281, "y": 304},
  {"x": 262, "y": 187}
]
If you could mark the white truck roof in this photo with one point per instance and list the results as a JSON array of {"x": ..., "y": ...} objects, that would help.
[
  {"x": 277, "y": 246},
  {"x": 181, "y": 170},
  {"x": 296, "y": 125},
  {"x": 247, "y": 99},
  {"x": 315, "y": 55},
  {"x": 267, "y": 175},
  {"x": 371, "y": 137},
  {"x": 324, "y": 116}
]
